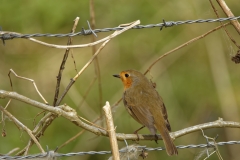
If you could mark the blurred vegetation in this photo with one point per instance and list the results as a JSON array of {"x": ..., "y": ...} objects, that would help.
[{"x": 198, "y": 83}]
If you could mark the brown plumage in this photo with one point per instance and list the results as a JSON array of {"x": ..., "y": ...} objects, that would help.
[{"x": 145, "y": 105}]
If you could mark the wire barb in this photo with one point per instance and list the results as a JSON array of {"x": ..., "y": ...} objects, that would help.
[
  {"x": 89, "y": 26},
  {"x": 167, "y": 24},
  {"x": 87, "y": 32}
]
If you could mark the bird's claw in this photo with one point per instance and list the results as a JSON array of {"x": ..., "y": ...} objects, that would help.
[{"x": 156, "y": 138}]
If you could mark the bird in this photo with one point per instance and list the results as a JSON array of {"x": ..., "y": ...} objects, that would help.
[{"x": 146, "y": 106}]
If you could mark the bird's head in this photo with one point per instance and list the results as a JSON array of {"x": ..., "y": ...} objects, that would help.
[{"x": 130, "y": 78}]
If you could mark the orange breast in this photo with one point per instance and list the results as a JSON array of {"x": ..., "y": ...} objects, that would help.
[{"x": 127, "y": 83}]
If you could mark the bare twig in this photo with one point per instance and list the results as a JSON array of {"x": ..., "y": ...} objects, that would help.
[
  {"x": 71, "y": 139},
  {"x": 22, "y": 126},
  {"x": 70, "y": 114},
  {"x": 96, "y": 62},
  {"x": 28, "y": 79},
  {"x": 87, "y": 91},
  {"x": 228, "y": 12},
  {"x": 183, "y": 45},
  {"x": 63, "y": 63},
  {"x": 209, "y": 155},
  {"x": 203, "y": 152},
  {"x": 91, "y": 60},
  {"x": 228, "y": 34},
  {"x": 12, "y": 151},
  {"x": 74, "y": 62},
  {"x": 214, "y": 143},
  {"x": 38, "y": 130},
  {"x": 90, "y": 122},
  {"x": 111, "y": 131},
  {"x": 2, "y": 120}
]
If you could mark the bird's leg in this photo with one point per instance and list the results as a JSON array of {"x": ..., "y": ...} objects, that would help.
[
  {"x": 156, "y": 138},
  {"x": 136, "y": 132}
]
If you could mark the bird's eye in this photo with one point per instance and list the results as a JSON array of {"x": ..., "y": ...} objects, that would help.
[{"x": 126, "y": 75}]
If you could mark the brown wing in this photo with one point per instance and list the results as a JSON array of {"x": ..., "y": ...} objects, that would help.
[
  {"x": 164, "y": 110},
  {"x": 161, "y": 105},
  {"x": 138, "y": 110}
]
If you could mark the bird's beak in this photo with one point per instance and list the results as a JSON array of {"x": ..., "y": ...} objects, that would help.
[{"x": 116, "y": 75}]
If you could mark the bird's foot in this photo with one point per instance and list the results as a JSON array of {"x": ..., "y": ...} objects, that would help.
[
  {"x": 136, "y": 132},
  {"x": 137, "y": 136},
  {"x": 156, "y": 138}
]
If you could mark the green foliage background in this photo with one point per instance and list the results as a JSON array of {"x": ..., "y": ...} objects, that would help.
[{"x": 198, "y": 83}]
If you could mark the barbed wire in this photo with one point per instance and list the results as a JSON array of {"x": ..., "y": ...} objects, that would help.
[
  {"x": 53, "y": 154},
  {"x": 6, "y": 35}
]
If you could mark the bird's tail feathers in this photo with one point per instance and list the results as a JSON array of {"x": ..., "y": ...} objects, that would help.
[{"x": 170, "y": 147}]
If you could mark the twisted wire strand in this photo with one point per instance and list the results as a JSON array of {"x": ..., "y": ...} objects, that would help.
[
  {"x": 7, "y": 36},
  {"x": 52, "y": 154}
]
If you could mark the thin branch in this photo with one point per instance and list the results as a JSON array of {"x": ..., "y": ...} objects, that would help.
[
  {"x": 90, "y": 61},
  {"x": 22, "y": 126},
  {"x": 91, "y": 123},
  {"x": 215, "y": 124},
  {"x": 59, "y": 77},
  {"x": 229, "y": 13},
  {"x": 183, "y": 45},
  {"x": 87, "y": 91},
  {"x": 2, "y": 120},
  {"x": 38, "y": 130},
  {"x": 111, "y": 131},
  {"x": 214, "y": 143},
  {"x": 12, "y": 151},
  {"x": 74, "y": 62},
  {"x": 70, "y": 114},
  {"x": 28, "y": 79},
  {"x": 71, "y": 139},
  {"x": 96, "y": 62}
]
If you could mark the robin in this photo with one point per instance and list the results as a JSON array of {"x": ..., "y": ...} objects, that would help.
[{"x": 146, "y": 106}]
